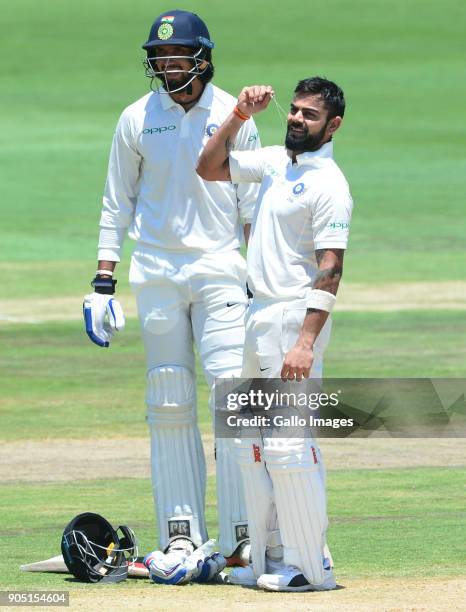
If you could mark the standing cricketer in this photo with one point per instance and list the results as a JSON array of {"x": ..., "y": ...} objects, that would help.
[
  {"x": 295, "y": 262},
  {"x": 186, "y": 270}
]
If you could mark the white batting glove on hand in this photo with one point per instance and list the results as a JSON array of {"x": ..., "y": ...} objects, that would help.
[{"x": 103, "y": 317}]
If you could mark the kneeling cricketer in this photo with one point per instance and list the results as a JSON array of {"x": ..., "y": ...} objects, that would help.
[{"x": 295, "y": 261}]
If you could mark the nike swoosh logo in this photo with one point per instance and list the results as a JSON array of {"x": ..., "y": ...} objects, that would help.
[
  {"x": 263, "y": 369},
  {"x": 231, "y": 304}
]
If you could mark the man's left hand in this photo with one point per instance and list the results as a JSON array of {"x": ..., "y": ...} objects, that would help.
[{"x": 297, "y": 364}]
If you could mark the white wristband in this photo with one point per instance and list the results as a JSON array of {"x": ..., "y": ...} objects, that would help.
[
  {"x": 320, "y": 300},
  {"x": 107, "y": 272}
]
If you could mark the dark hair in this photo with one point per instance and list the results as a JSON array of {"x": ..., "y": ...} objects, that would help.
[{"x": 331, "y": 94}]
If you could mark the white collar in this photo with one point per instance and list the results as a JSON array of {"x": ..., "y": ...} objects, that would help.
[
  {"x": 205, "y": 101},
  {"x": 309, "y": 158}
]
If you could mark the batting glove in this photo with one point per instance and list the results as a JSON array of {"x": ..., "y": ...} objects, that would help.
[
  {"x": 167, "y": 568},
  {"x": 210, "y": 567},
  {"x": 103, "y": 315},
  {"x": 179, "y": 567}
]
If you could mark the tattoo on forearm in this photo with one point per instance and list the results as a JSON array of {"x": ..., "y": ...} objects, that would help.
[
  {"x": 319, "y": 254},
  {"x": 328, "y": 279}
]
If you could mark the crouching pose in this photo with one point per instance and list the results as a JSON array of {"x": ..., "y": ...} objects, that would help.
[{"x": 295, "y": 261}]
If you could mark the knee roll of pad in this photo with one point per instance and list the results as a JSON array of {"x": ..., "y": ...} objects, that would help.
[{"x": 170, "y": 396}]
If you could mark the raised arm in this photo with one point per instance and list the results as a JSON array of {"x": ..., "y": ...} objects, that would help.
[{"x": 213, "y": 162}]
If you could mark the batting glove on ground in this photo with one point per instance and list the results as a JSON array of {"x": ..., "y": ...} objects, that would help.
[
  {"x": 181, "y": 567},
  {"x": 103, "y": 317},
  {"x": 210, "y": 568},
  {"x": 168, "y": 568}
]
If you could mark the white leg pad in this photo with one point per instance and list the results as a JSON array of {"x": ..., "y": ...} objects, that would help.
[
  {"x": 258, "y": 495},
  {"x": 301, "y": 503},
  {"x": 231, "y": 506},
  {"x": 232, "y": 515},
  {"x": 177, "y": 455}
]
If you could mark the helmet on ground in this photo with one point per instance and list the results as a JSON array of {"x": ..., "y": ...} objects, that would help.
[
  {"x": 184, "y": 29},
  {"x": 94, "y": 552}
]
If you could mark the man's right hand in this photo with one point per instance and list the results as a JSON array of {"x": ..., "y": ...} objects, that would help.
[
  {"x": 103, "y": 317},
  {"x": 255, "y": 98}
]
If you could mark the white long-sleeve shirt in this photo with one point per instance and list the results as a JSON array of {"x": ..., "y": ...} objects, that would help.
[{"x": 153, "y": 192}]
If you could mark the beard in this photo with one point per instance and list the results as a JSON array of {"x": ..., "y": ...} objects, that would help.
[
  {"x": 301, "y": 140},
  {"x": 176, "y": 79}
]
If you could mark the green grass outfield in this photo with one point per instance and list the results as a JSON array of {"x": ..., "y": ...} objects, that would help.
[
  {"x": 385, "y": 523},
  {"x": 67, "y": 71},
  {"x": 380, "y": 526},
  {"x": 51, "y": 374}
]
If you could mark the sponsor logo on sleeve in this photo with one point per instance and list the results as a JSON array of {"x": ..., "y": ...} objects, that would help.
[{"x": 338, "y": 225}]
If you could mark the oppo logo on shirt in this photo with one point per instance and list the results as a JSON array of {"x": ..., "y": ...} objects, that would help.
[
  {"x": 159, "y": 130},
  {"x": 338, "y": 225}
]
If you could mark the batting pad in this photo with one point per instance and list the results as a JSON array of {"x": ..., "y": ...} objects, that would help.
[
  {"x": 177, "y": 456},
  {"x": 301, "y": 503},
  {"x": 232, "y": 515},
  {"x": 258, "y": 496}
]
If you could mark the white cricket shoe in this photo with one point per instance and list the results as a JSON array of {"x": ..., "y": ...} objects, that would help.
[
  {"x": 291, "y": 579},
  {"x": 244, "y": 576}
]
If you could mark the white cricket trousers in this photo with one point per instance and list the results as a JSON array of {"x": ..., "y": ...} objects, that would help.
[{"x": 284, "y": 478}]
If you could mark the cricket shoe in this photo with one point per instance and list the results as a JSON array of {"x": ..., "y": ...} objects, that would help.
[
  {"x": 240, "y": 557},
  {"x": 291, "y": 579},
  {"x": 244, "y": 576}
]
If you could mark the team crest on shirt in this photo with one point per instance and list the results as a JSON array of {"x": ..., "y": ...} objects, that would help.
[
  {"x": 299, "y": 188},
  {"x": 211, "y": 129}
]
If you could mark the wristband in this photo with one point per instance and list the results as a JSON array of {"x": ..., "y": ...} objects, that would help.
[
  {"x": 320, "y": 300},
  {"x": 103, "y": 272},
  {"x": 240, "y": 114},
  {"x": 104, "y": 285}
]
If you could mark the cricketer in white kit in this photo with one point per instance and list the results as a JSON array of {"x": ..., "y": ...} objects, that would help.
[
  {"x": 295, "y": 261},
  {"x": 186, "y": 270}
]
